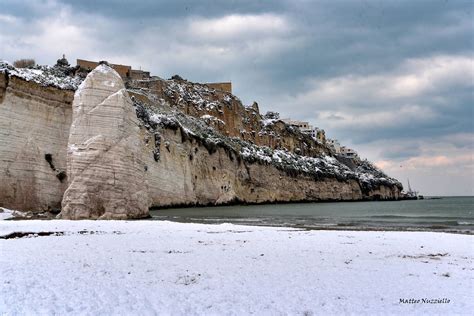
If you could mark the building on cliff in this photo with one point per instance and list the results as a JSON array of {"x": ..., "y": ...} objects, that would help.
[
  {"x": 125, "y": 71},
  {"x": 315, "y": 132},
  {"x": 334, "y": 145},
  {"x": 341, "y": 151},
  {"x": 349, "y": 153},
  {"x": 139, "y": 74},
  {"x": 222, "y": 86}
]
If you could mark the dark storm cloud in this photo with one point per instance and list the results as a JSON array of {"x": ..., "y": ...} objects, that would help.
[{"x": 152, "y": 9}]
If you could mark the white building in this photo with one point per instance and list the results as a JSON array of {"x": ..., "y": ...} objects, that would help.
[
  {"x": 348, "y": 152},
  {"x": 334, "y": 144},
  {"x": 306, "y": 128},
  {"x": 300, "y": 124}
]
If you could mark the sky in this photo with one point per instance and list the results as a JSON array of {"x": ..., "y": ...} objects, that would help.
[{"x": 392, "y": 79}]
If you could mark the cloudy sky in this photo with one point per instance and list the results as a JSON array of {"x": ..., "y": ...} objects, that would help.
[{"x": 392, "y": 79}]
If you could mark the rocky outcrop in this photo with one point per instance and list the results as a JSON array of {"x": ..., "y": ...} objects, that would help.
[{"x": 104, "y": 166}]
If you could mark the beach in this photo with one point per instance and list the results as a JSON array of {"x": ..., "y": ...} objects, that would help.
[{"x": 162, "y": 267}]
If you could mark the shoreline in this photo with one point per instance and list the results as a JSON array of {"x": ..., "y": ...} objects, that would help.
[
  {"x": 332, "y": 227},
  {"x": 237, "y": 202},
  {"x": 335, "y": 227},
  {"x": 51, "y": 214}
]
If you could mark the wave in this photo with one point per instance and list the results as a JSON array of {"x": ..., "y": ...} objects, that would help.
[{"x": 420, "y": 217}]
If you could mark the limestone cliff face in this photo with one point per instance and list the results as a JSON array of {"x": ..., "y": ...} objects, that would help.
[
  {"x": 34, "y": 128},
  {"x": 100, "y": 154},
  {"x": 191, "y": 171},
  {"x": 187, "y": 174},
  {"x": 104, "y": 166}
]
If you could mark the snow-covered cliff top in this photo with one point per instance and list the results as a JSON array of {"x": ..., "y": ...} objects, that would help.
[
  {"x": 201, "y": 96},
  {"x": 59, "y": 77}
]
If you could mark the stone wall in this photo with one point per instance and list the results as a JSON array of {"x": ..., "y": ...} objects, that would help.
[
  {"x": 123, "y": 70},
  {"x": 222, "y": 86},
  {"x": 139, "y": 74}
]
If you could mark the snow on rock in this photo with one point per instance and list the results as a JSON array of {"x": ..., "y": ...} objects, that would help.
[
  {"x": 212, "y": 119},
  {"x": 44, "y": 75},
  {"x": 165, "y": 268},
  {"x": 196, "y": 94},
  {"x": 267, "y": 122},
  {"x": 324, "y": 166},
  {"x": 6, "y": 213},
  {"x": 201, "y": 96}
]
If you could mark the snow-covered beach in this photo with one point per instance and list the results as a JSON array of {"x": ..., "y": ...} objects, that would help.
[{"x": 159, "y": 267}]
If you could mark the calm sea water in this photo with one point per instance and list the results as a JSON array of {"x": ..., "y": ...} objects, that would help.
[{"x": 449, "y": 214}]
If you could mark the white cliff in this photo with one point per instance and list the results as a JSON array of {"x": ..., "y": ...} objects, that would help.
[{"x": 34, "y": 128}]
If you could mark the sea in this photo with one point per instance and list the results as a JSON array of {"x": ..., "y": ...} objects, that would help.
[{"x": 441, "y": 214}]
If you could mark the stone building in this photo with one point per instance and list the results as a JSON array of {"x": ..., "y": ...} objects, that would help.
[
  {"x": 123, "y": 70},
  {"x": 303, "y": 126},
  {"x": 139, "y": 74},
  {"x": 222, "y": 86}
]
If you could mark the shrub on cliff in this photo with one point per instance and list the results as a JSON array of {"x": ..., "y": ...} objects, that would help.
[
  {"x": 177, "y": 78},
  {"x": 24, "y": 63},
  {"x": 270, "y": 115}
]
